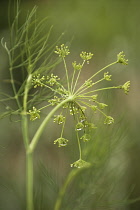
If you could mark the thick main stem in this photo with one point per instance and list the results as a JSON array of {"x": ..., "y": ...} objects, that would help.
[
  {"x": 29, "y": 181},
  {"x": 29, "y": 165},
  {"x": 29, "y": 155}
]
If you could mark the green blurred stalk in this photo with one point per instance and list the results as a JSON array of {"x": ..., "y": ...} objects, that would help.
[
  {"x": 64, "y": 187},
  {"x": 62, "y": 191},
  {"x": 29, "y": 181}
]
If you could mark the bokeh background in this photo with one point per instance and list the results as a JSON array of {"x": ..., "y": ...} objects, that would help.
[{"x": 104, "y": 28}]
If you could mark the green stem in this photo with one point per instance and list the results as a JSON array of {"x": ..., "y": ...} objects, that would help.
[
  {"x": 67, "y": 76},
  {"x": 29, "y": 181},
  {"x": 90, "y": 86},
  {"x": 102, "y": 69},
  {"x": 78, "y": 77},
  {"x": 62, "y": 131},
  {"x": 101, "y": 112},
  {"x": 27, "y": 87},
  {"x": 62, "y": 191},
  {"x": 44, "y": 123},
  {"x": 74, "y": 71},
  {"x": 79, "y": 145},
  {"x": 29, "y": 164},
  {"x": 43, "y": 107},
  {"x": 29, "y": 158},
  {"x": 14, "y": 88},
  {"x": 85, "y": 103},
  {"x": 76, "y": 80},
  {"x": 96, "y": 74},
  {"x": 67, "y": 182},
  {"x": 24, "y": 114},
  {"x": 25, "y": 130},
  {"x": 107, "y": 88},
  {"x": 43, "y": 85}
]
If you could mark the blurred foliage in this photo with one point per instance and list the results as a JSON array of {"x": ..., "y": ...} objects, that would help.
[{"x": 104, "y": 28}]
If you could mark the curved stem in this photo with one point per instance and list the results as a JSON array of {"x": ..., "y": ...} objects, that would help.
[
  {"x": 38, "y": 133},
  {"x": 67, "y": 182},
  {"x": 62, "y": 191}
]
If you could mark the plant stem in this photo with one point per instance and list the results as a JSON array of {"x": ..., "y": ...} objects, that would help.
[
  {"x": 29, "y": 181},
  {"x": 64, "y": 187},
  {"x": 24, "y": 114},
  {"x": 79, "y": 145},
  {"x": 29, "y": 158},
  {"x": 14, "y": 88},
  {"x": 25, "y": 130},
  {"x": 85, "y": 88},
  {"x": 107, "y": 88},
  {"x": 95, "y": 75},
  {"x": 72, "y": 79},
  {"x": 67, "y": 76},
  {"x": 44, "y": 123},
  {"x": 77, "y": 77},
  {"x": 29, "y": 164},
  {"x": 76, "y": 80},
  {"x": 62, "y": 191}
]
